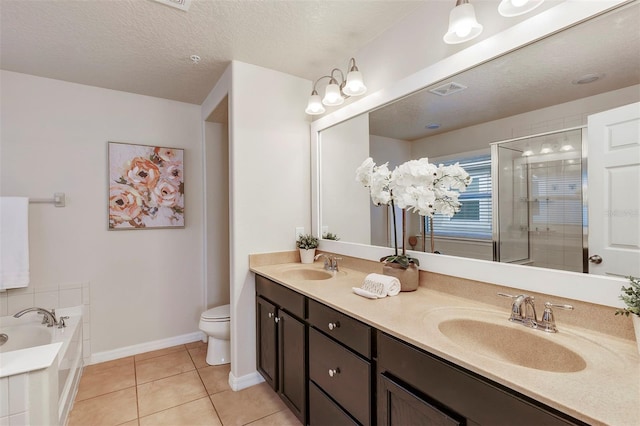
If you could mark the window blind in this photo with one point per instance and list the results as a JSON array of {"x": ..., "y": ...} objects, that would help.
[{"x": 474, "y": 218}]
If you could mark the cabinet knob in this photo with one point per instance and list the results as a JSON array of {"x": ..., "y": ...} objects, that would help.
[
  {"x": 334, "y": 372},
  {"x": 334, "y": 325},
  {"x": 270, "y": 314},
  {"x": 277, "y": 319}
]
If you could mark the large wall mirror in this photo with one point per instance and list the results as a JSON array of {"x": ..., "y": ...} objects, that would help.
[{"x": 531, "y": 105}]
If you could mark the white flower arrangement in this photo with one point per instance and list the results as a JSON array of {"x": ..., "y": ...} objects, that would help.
[{"x": 417, "y": 186}]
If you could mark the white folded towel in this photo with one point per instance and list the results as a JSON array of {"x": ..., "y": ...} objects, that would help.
[
  {"x": 14, "y": 242},
  {"x": 378, "y": 285}
]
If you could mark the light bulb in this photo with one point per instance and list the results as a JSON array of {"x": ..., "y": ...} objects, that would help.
[
  {"x": 510, "y": 8},
  {"x": 463, "y": 25},
  {"x": 314, "y": 107},
  {"x": 354, "y": 85},
  {"x": 332, "y": 96}
]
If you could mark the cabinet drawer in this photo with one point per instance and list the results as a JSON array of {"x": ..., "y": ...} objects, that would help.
[
  {"x": 349, "y": 331},
  {"x": 477, "y": 399},
  {"x": 286, "y": 298},
  {"x": 323, "y": 411},
  {"x": 340, "y": 373}
]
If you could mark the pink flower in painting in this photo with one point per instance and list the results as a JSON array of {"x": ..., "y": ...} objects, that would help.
[
  {"x": 125, "y": 203},
  {"x": 173, "y": 171},
  {"x": 143, "y": 174},
  {"x": 166, "y": 194},
  {"x": 167, "y": 154}
]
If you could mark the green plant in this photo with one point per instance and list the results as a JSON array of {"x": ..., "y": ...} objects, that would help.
[
  {"x": 631, "y": 297},
  {"x": 330, "y": 236},
  {"x": 307, "y": 242},
  {"x": 401, "y": 259}
]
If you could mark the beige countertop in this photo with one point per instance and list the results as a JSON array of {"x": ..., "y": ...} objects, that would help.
[{"x": 605, "y": 391}]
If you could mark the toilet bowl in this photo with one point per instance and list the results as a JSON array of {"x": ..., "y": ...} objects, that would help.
[{"x": 215, "y": 323}]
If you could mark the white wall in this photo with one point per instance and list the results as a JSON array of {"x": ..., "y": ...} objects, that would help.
[
  {"x": 345, "y": 202},
  {"x": 270, "y": 188},
  {"x": 146, "y": 285},
  {"x": 216, "y": 140}
]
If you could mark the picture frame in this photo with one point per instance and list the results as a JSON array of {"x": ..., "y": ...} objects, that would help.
[{"x": 146, "y": 187}]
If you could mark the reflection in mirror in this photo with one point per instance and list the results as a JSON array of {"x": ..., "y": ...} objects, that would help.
[{"x": 548, "y": 86}]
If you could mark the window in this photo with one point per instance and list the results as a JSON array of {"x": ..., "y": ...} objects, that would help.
[{"x": 474, "y": 218}]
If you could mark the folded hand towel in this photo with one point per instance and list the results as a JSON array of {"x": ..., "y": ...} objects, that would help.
[
  {"x": 14, "y": 242},
  {"x": 380, "y": 285},
  {"x": 364, "y": 293}
]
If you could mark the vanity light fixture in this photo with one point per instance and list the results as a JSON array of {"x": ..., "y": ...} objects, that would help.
[
  {"x": 337, "y": 90},
  {"x": 463, "y": 25},
  {"x": 511, "y": 8}
]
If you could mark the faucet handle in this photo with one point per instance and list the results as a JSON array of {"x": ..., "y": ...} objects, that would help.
[{"x": 548, "y": 322}]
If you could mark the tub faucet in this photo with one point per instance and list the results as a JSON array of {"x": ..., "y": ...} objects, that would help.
[{"x": 49, "y": 316}]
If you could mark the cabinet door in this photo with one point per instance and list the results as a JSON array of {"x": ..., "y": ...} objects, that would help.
[
  {"x": 292, "y": 363},
  {"x": 398, "y": 405},
  {"x": 266, "y": 338}
]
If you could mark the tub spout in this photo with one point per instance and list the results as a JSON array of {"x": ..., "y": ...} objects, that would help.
[{"x": 49, "y": 316}]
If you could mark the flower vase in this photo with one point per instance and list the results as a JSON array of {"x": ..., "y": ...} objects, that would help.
[
  {"x": 307, "y": 255},
  {"x": 409, "y": 277},
  {"x": 636, "y": 328}
]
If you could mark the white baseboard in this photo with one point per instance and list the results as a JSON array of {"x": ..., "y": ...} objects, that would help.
[
  {"x": 248, "y": 380},
  {"x": 145, "y": 347}
]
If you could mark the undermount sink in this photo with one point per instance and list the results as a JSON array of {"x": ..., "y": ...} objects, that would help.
[
  {"x": 307, "y": 274},
  {"x": 508, "y": 343}
]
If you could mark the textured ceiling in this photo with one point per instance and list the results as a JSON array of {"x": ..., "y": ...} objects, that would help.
[
  {"x": 530, "y": 78},
  {"x": 143, "y": 47}
]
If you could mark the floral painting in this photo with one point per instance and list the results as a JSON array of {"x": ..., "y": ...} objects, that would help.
[{"x": 146, "y": 187}]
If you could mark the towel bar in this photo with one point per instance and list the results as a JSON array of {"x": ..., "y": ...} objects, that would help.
[{"x": 58, "y": 200}]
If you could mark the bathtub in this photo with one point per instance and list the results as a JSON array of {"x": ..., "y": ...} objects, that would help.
[{"x": 40, "y": 368}]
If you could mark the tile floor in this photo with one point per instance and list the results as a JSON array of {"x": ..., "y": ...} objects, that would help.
[{"x": 173, "y": 386}]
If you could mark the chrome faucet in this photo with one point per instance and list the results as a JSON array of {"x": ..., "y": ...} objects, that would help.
[
  {"x": 523, "y": 311},
  {"x": 49, "y": 316},
  {"x": 330, "y": 261}
]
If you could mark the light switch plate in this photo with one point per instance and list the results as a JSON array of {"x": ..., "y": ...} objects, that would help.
[{"x": 299, "y": 231}]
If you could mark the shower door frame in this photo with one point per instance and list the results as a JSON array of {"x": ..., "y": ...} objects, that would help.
[{"x": 495, "y": 228}]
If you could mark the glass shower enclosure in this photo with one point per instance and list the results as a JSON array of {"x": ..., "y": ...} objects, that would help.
[{"x": 538, "y": 200}]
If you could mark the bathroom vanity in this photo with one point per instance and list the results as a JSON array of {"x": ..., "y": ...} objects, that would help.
[{"x": 337, "y": 358}]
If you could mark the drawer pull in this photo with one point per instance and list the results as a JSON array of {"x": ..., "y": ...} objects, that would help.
[
  {"x": 334, "y": 325},
  {"x": 334, "y": 372}
]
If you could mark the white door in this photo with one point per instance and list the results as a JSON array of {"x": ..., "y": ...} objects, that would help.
[{"x": 614, "y": 191}]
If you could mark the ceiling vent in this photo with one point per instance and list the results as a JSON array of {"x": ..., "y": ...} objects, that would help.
[
  {"x": 178, "y": 4},
  {"x": 447, "y": 89}
]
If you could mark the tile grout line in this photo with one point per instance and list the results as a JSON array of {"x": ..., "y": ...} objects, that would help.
[{"x": 205, "y": 388}]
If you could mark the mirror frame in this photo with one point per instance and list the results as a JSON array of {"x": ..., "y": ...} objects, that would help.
[{"x": 597, "y": 289}]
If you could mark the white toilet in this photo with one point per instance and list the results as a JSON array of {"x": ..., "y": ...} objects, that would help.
[{"x": 215, "y": 324}]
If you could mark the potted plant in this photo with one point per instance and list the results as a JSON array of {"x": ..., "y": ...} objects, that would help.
[
  {"x": 331, "y": 236},
  {"x": 418, "y": 186},
  {"x": 307, "y": 244},
  {"x": 631, "y": 297}
]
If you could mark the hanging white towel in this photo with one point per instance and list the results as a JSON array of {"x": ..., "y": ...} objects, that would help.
[
  {"x": 14, "y": 242},
  {"x": 378, "y": 286}
]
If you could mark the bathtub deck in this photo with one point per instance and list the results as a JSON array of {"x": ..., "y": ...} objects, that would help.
[{"x": 172, "y": 386}]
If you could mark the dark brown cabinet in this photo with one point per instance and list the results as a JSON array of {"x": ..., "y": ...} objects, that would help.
[
  {"x": 414, "y": 385},
  {"x": 341, "y": 366},
  {"x": 281, "y": 343},
  {"x": 331, "y": 369}
]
